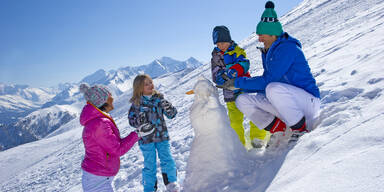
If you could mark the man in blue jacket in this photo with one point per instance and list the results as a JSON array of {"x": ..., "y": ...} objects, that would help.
[{"x": 287, "y": 94}]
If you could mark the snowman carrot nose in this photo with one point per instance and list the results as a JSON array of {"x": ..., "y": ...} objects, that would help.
[{"x": 190, "y": 92}]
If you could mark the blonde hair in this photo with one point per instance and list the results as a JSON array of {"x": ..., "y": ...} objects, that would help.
[{"x": 138, "y": 88}]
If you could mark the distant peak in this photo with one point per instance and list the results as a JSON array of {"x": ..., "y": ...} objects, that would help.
[
  {"x": 165, "y": 58},
  {"x": 191, "y": 59},
  {"x": 100, "y": 71}
]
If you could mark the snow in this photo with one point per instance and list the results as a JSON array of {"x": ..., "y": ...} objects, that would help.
[
  {"x": 40, "y": 123},
  {"x": 12, "y": 102},
  {"x": 344, "y": 45},
  {"x": 21, "y": 98}
]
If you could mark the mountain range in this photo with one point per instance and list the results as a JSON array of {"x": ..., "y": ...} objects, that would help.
[{"x": 28, "y": 114}]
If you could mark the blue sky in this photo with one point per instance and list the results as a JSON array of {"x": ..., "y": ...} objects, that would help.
[{"x": 46, "y": 42}]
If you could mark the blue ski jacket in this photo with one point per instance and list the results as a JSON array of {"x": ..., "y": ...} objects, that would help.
[{"x": 284, "y": 62}]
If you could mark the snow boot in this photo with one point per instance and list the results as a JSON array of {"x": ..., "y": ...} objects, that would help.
[
  {"x": 276, "y": 125},
  {"x": 298, "y": 130},
  {"x": 275, "y": 140},
  {"x": 173, "y": 187},
  {"x": 257, "y": 143},
  {"x": 277, "y": 129}
]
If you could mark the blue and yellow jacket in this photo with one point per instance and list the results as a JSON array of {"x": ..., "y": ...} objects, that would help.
[
  {"x": 234, "y": 58},
  {"x": 284, "y": 62}
]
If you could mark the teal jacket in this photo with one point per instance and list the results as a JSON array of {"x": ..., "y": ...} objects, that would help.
[{"x": 151, "y": 111}]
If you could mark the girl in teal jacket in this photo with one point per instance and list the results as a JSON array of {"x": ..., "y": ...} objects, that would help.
[{"x": 147, "y": 115}]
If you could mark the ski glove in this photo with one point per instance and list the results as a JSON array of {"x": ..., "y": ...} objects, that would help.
[
  {"x": 229, "y": 85},
  {"x": 167, "y": 106},
  {"x": 168, "y": 109},
  {"x": 232, "y": 73},
  {"x": 219, "y": 77}
]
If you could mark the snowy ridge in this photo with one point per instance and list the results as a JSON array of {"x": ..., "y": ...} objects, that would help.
[
  {"x": 35, "y": 94},
  {"x": 49, "y": 113},
  {"x": 16, "y": 97},
  {"x": 120, "y": 81},
  {"x": 36, "y": 125},
  {"x": 44, "y": 121},
  {"x": 16, "y": 103},
  {"x": 154, "y": 69},
  {"x": 17, "y": 100},
  {"x": 344, "y": 45}
]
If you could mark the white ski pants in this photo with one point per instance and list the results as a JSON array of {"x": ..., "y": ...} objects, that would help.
[
  {"x": 287, "y": 102},
  {"x": 91, "y": 182}
]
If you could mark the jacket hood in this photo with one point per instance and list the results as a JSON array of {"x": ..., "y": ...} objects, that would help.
[
  {"x": 285, "y": 38},
  {"x": 89, "y": 113}
]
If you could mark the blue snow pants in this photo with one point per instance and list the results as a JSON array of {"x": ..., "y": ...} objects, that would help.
[{"x": 167, "y": 164}]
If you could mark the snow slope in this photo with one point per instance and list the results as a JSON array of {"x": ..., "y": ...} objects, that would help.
[{"x": 344, "y": 43}]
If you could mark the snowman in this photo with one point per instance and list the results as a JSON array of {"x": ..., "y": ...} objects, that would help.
[{"x": 216, "y": 153}]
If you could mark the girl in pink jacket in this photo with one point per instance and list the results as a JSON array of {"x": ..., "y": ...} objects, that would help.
[{"x": 102, "y": 142}]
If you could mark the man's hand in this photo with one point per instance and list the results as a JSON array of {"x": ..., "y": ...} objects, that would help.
[{"x": 229, "y": 85}]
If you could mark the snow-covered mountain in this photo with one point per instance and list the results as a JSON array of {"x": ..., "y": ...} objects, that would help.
[
  {"x": 69, "y": 95},
  {"x": 19, "y": 100},
  {"x": 26, "y": 92},
  {"x": 120, "y": 81},
  {"x": 16, "y": 102},
  {"x": 36, "y": 125},
  {"x": 42, "y": 122},
  {"x": 41, "y": 111},
  {"x": 343, "y": 42},
  {"x": 158, "y": 67}
]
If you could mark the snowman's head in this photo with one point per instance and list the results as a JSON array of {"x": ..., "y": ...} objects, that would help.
[{"x": 204, "y": 89}]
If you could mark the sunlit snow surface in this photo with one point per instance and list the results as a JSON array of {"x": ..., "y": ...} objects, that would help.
[{"x": 344, "y": 43}]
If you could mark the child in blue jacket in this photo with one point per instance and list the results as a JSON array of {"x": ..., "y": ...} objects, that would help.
[{"x": 147, "y": 115}]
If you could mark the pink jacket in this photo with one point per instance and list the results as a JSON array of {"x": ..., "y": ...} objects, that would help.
[{"x": 102, "y": 142}]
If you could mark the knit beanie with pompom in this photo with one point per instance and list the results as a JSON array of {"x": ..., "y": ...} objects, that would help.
[
  {"x": 269, "y": 24},
  {"x": 97, "y": 94}
]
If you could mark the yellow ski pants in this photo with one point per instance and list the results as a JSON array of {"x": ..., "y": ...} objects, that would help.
[{"x": 236, "y": 119}]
